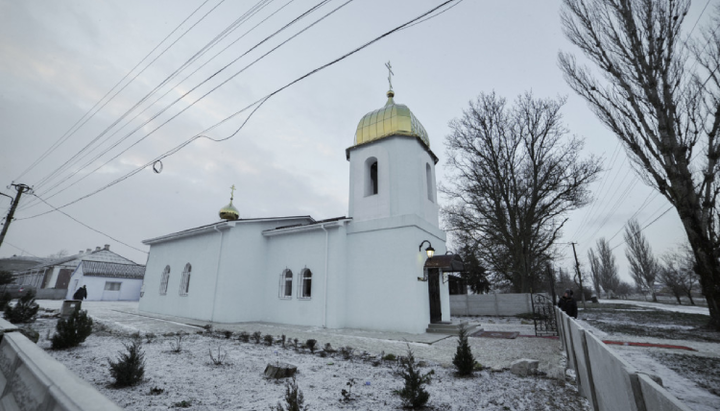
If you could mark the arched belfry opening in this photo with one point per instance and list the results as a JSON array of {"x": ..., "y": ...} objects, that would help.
[{"x": 371, "y": 176}]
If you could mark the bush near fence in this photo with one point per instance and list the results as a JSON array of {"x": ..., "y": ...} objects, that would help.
[{"x": 605, "y": 379}]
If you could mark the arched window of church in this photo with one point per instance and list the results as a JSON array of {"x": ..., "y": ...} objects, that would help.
[
  {"x": 185, "y": 281},
  {"x": 164, "y": 280},
  {"x": 428, "y": 177},
  {"x": 286, "y": 278},
  {"x": 305, "y": 284},
  {"x": 371, "y": 176}
]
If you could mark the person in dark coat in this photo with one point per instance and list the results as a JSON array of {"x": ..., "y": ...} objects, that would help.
[
  {"x": 567, "y": 303},
  {"x": 80, "y": 293}
]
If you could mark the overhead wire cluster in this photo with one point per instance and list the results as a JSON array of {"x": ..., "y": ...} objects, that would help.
[{"x": 107, "y": 143}]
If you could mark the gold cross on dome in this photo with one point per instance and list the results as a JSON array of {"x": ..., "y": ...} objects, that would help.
[
  {"x": 390, "y": 73},
  {"x": 232, "y": 192}
]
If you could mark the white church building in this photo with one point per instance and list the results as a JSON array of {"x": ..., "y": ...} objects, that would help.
[{"x": 369, "y": 270}]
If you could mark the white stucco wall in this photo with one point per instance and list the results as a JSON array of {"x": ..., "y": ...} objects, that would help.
[
  {"x": 402, "y": 180},
  {"x": 129, "y": 288},
  {"x": 364, "y": 271}
]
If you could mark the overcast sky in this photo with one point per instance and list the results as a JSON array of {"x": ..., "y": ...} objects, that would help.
[{"x": 59, "y": 58}]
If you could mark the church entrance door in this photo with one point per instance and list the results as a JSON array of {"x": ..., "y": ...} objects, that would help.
[{"x": 434, "y": 293}]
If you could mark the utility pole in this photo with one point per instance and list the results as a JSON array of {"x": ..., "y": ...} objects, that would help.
[
  {"x": 551, "y": 274},
  {"x": 577, "y": 269},
  {"x": 21, "y": 188}
]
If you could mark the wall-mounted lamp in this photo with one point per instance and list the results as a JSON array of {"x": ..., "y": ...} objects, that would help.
[{"x": 429, "y": 250}]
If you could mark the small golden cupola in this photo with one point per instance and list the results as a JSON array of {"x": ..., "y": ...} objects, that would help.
[
  {"x": 391, "y": 120},
  {"x": 229, "y": 212}
]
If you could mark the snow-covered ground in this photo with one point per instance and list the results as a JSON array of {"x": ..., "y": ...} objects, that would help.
[
  {"x": 689, "y": 309},
  {"x": 645, "y": 359},
  {"x": 191, "y": 376}
]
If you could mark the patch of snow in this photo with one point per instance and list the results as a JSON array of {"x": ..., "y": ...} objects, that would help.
[{"x": 688, "y": 309}]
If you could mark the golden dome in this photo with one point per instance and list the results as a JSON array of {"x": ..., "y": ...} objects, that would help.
[
  {"x": 229, "y": 212},
  {"x": 393, "y": 119}
]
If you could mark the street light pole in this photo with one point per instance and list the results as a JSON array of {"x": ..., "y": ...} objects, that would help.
[{"x": 21, "y": 188}]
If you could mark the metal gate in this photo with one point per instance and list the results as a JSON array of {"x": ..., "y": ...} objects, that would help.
[{"x": 543, "y": 315}]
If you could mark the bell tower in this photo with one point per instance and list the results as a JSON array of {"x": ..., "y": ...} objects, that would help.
[{"x": 392, "y": 169}]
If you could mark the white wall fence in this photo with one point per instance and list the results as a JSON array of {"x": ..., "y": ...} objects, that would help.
[
  {"x": 605, "y": 379},
  {"x": 490, "y": 304},
  {"x": 51, "y": 293},
  {"x": 30, "y": 379}
]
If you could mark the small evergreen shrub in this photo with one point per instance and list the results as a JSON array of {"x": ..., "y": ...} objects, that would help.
[
  {"x": 283, "y": 338},
  {"x": 24, "y": 311},
  {"x": 244, "y": 336},
  {"x": 389, "y": 357},
  {"x": 72, "y": 331},
  {"x": 311, "y": 345},
  {"x": 129, "y": 369},
  {"x": 5, "y": 298},
  {"x": 413, "y": 394},
  {"x": 150, "y": 337},
  {"x": 257, "y": 336},
  {"x": 268, "y": 339},
  {"x": 295, "y": 343},
  {"x": 463, "y": 361},
  {"x": 294, "y": 399}
]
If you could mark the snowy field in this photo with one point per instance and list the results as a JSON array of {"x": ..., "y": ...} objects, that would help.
[
  {"x": 692, "y": 376},
  {"x": 189, "y": 377}
]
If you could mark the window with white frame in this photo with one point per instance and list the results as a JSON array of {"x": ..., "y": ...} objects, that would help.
[
  {"x": 164, "y": 280},
  {"x": 185, "y": 280},
  {"x": 286, "y": 279},
  {"x": 112, "y": 285},
  {"x": 305, "y": 290}
]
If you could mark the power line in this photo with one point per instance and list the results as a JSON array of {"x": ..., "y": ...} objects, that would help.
[
  {"x": 259, "y": 103},
  {"x": 647, "y": 225},
  {"x": 698, "y": 19},
  {"x": 67, "y": 163},
  {"x": 18, "y": 248},
  {"x": 87, "y": 226},
  {"x": 69, "y": 132},
  {"x": 204, "y": 95}
]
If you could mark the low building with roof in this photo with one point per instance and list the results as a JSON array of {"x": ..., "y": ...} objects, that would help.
[
  {"x": 107, "y": 281},
  {"x": 52, "y": 278},
  {"x": 368, "y": 270}
]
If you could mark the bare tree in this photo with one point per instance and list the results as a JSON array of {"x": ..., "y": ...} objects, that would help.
[
  {"x": 664, "y": 109},
  {"x": 515, "y": 175},
  {"x": 60, "y": 254},
  {"x": 643, "y": 264},
  {"x": 595, "y": 271},
  {"x": 605, "y": 266},
  {"x": 624, "y": 289},
  {"x": 677, "y": 273}
]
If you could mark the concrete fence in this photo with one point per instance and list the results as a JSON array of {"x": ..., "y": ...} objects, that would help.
[
  {"x": 51, "y": 293},
  {"x": 605, "y": 379},
  {"x": 30, "y": 379},
  {"x": 490, "y": 304}
]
